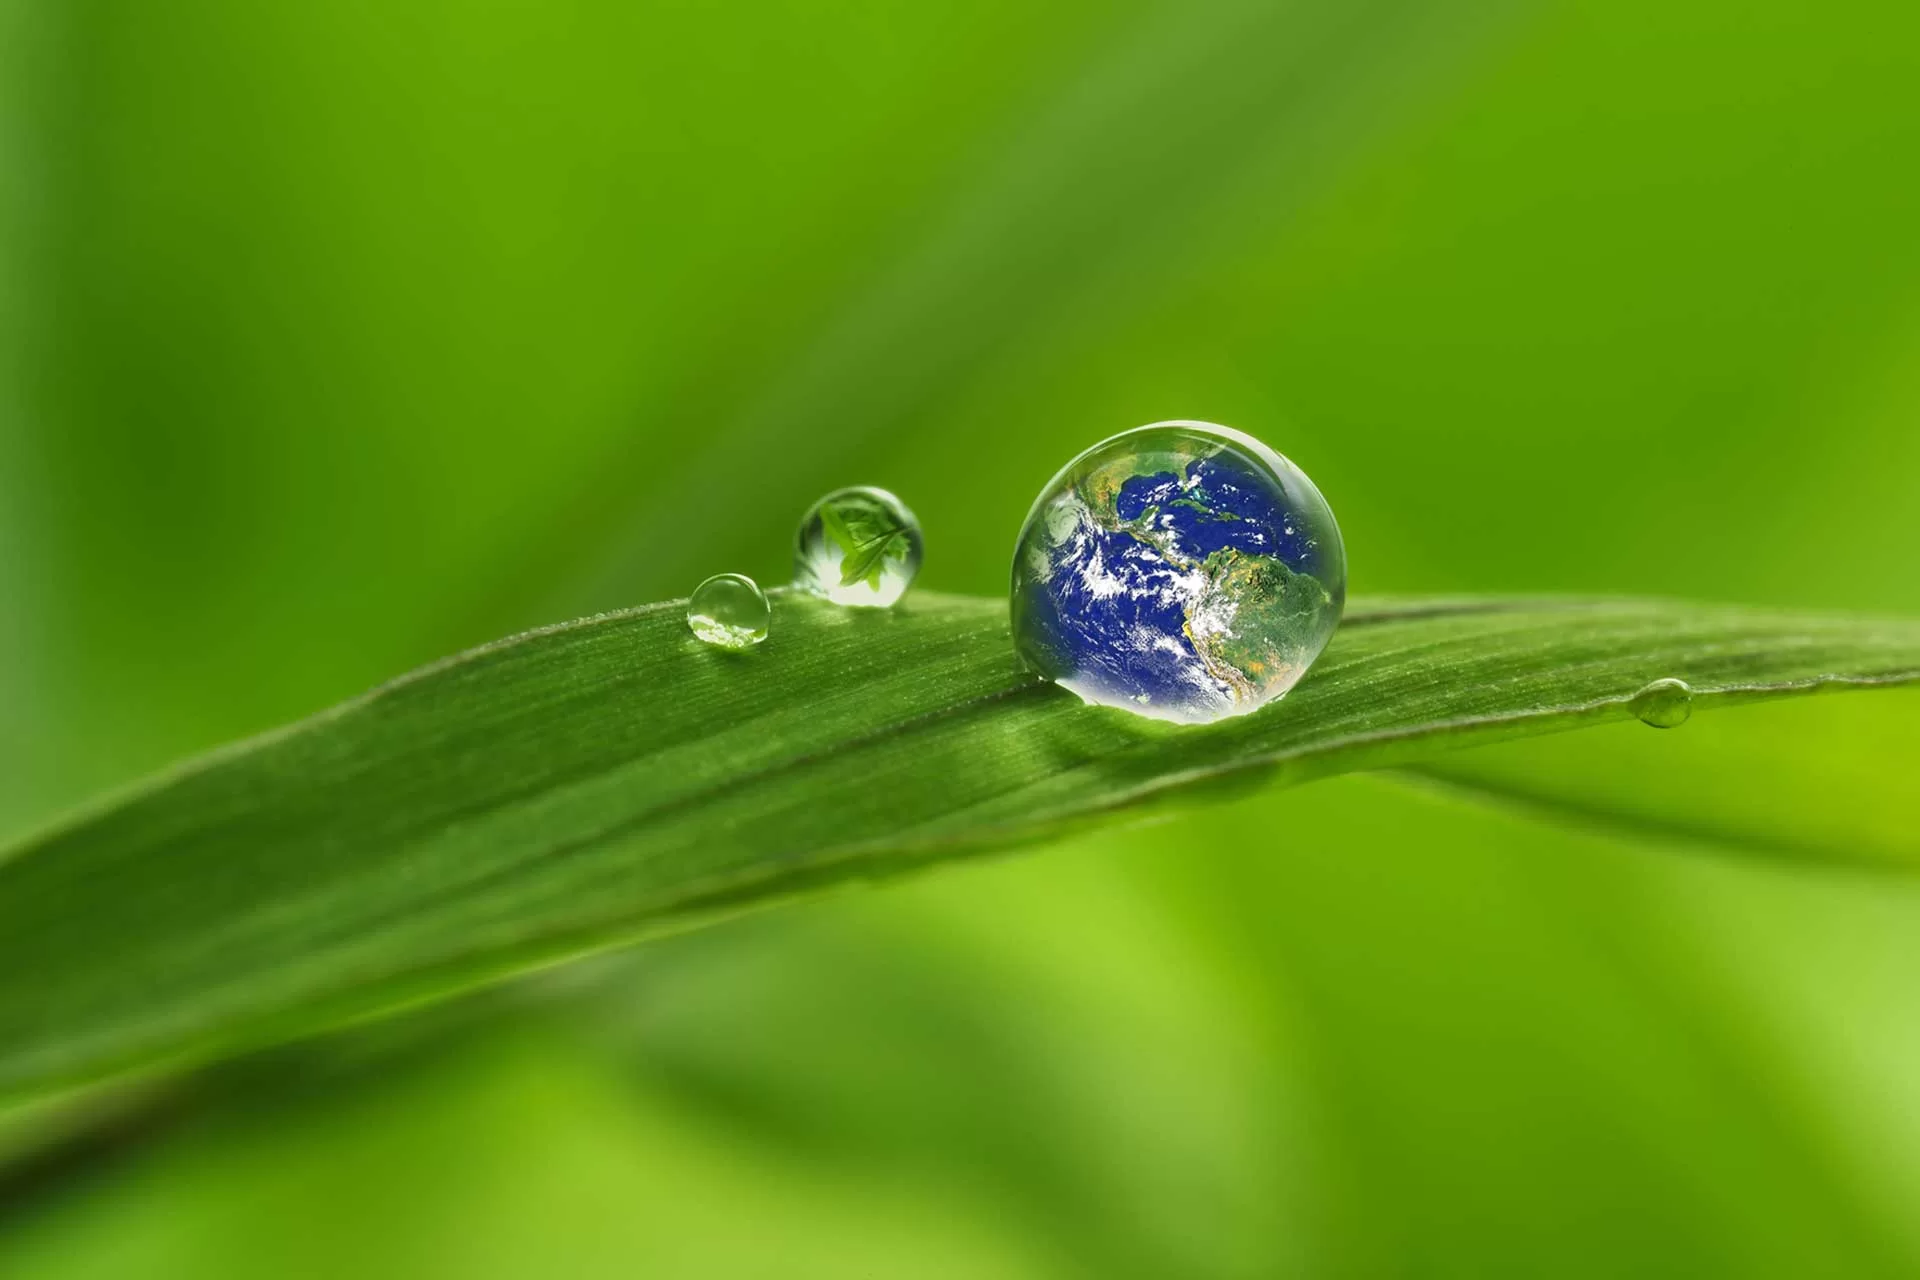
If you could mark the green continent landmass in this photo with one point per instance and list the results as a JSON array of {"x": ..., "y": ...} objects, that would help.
[
  {"x": 1278, "y": 613},
  {"x": 1100, "y": 490},
  {"x": 1100, "y": 487}
]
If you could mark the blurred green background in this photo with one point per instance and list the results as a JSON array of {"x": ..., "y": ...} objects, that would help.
[{"x": 335, "y": 337}]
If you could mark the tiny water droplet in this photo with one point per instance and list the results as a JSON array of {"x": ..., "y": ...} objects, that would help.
[
  {"x": 858, "y": 546},
  {"x": 729, "y": 610},
  {"x": 1154, "y": 574},
  {"x": 1664, "y": 704}
]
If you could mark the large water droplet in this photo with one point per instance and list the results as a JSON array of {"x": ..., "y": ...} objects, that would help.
[
  {"x": 1183, "y": 571},
  {"x": 858, "y": 546},
  {"x": 729, "y": 610},
  {"x": 1664, "y": 704}
]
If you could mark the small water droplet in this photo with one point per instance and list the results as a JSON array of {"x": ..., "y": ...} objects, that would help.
[
  {"x": 729, "y": 610},
  {"x": 1664, "y": 704},
  {"x": 1147, "y": 577},
  {"x": 858, "y": 546}
]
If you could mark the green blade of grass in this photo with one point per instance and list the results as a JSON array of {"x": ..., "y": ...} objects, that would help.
[
  {"x": 1804, "y": 782},
  {"x": 593, "y": 782}
]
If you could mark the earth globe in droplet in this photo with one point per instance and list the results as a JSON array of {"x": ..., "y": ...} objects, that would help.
[{"x": 1183, "y": 571}]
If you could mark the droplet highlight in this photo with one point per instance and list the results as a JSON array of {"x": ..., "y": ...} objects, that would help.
[
  {"x": 1183, "y": 571},
  {"x": 729, "y": 610},
  {"x": 859, "y": 546},
  {"x": 1664, "y": 704}
]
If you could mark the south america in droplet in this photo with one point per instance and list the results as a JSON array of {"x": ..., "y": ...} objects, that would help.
[
  {"x": 859, "y": 546},
  {"x": 1183, "y": 571},
  {"x": 729, "y": 610}
]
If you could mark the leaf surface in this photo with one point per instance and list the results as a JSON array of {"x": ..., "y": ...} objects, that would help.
[
  {"x": 1815, "y": 780},
  {"x": 590, "y": 783}
]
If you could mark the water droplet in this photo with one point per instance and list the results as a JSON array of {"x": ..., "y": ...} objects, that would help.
[
  {"x": 1664, "y": 704},
  {"x": 858, "y": 546},
  {"x": 1150, "y": 575},
  {"x": 729, "y": 610}
]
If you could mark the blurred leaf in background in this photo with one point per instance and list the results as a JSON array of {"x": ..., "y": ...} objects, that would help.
[{"x": 336, "y": 337}]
